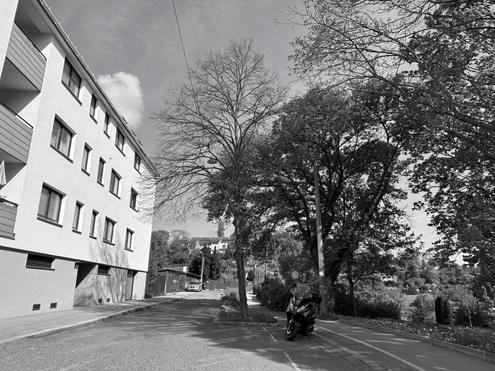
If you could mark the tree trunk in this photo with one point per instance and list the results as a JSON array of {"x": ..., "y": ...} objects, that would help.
[
  {"x": 351, "y": 287},
  {"x": 241, "y": 275},
  {"x": 330, "y": 293},
  {"x": 325, "y": 302},
  {"x": 323, "y": 284}
]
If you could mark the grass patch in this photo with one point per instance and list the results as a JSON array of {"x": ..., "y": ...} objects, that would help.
[{"x": 474, "y": 337}]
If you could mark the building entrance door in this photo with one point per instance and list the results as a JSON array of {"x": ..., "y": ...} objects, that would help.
[{"x": 129, "y": 283}]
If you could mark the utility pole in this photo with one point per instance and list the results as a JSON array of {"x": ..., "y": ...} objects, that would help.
[{"x": 319, "y": 244}]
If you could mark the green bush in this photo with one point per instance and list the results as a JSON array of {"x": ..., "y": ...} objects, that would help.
[
  {"x": 230, "y": 298},
  {"x": 423, "y": 305},
  {"x": 443, "y": 311},
  {"x": 471, "y": 316},
  {"x": 273, "y": 294},
  {"x": 372, "y": 303}
]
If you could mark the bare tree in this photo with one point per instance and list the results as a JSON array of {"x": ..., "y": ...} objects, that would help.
[{"x": 207, "y": 133}]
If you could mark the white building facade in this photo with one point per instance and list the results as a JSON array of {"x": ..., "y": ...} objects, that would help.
[{"x": 74, "y": 224}]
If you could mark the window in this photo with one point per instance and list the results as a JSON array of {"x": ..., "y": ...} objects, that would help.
[
  {"x": 137, "y": 162},
  {"x": 109, "y": 228},
  {"x": 103, "y": 270},
  {"x": 115, "y": 183},
  {"x": 50, "y": 203},
  {"x": 39, "y": 262},
  {"x": 61, "y": 138},
  {"x": 106, "y": 123},
  {"x": 92, "y": 107},
  {"x": 101, "y": 169},
  {"x": 119, "y": 140},
  {"x": 133, "y": 201},
  {"x": 129, "y": 236},
  {"x": 76, "y": 222},
  {"x": 71, "y": 79},
  {"x": 86, "y": 159},
  {"x": 92, "y": 226}
]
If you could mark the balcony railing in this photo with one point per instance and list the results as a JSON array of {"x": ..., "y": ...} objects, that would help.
[
  {"x": 15, "y": 134},
  {"x": 8, "y": 214},
  {"x": 26, "y": 57}
]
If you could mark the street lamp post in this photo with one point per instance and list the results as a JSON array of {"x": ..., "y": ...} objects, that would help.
[{"x": 319, "y": 245}]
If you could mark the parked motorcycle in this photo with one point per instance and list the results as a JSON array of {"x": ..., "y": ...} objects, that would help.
[{"x": 301, "y": 312}]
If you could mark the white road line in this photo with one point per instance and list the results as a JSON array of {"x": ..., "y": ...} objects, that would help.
[
  {"x": 274, "y": 340},
  {"x": 376, "y": 348},
  {"x": 293, "y": 364}
]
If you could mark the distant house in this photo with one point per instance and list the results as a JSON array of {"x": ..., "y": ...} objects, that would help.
[
  {"x": 172, "y": 279},
  {"x": 221, "y": 244}
]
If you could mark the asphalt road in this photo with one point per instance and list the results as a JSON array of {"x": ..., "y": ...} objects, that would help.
[{"x": 181, "y": 336}]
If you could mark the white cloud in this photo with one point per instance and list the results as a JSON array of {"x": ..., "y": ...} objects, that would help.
[{"x": 124, "y": 90}]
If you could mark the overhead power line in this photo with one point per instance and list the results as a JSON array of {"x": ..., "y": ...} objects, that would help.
[{"x": 182, "y": 45}]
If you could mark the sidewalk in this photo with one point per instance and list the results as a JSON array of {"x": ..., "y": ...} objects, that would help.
[{"x": 47, "y": 323}]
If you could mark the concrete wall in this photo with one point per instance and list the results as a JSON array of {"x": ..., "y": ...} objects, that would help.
[
  {"x": 21, "y": 287},
  {"x": 109, "y": 288},
  {"x": 139, "y": 286},
  {"x": 46, "y": 165},
  {"x": 56, "y": 100}
]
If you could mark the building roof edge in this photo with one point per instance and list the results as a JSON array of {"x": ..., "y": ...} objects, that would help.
[{"x": 94, "y": 81}]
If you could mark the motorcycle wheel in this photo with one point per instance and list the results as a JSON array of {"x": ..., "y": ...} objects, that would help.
[{"x": 292, "y": 330}]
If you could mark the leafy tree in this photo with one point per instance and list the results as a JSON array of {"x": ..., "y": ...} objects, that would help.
[
  {"x": 178, "y": 252},
  {"x": 446, "y": 100},
  {"x": 158, "y": 255},
  {"x": 214, "y": 266},
  {"x": 197, "y": 261},
  {"x": 208, "y": 130},
  {"x": 221, "y": 228},
  {"x": 348, "y": 136},
  {"x": 374, "y": 254},
  {"x": 179, "y": 235}
]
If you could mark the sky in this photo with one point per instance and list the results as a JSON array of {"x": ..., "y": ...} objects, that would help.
[{"x": 133, "y": 48}]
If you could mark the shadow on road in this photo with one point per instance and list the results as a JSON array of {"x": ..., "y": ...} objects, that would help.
[{"x": 195, "y": 317}]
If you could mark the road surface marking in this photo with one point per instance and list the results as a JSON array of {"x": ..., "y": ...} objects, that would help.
[
  {"x": 376, "y": 348},
  {"x": 274, "y": 340},
  {"x": 293, "y": 364}
]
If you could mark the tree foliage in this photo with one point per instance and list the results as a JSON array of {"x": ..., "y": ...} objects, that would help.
[
  {"x": 158, "y": 255},
  {"x": 208, "y": 130},
  {"x": 351, "y": 139},
  {"x": 438, "y": 58}
]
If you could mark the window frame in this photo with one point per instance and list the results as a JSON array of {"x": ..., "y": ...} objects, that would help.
[
  {"x": 77, "y": 218},
  {"x": 119, "y": 178},
  {"x": 103, "y": 270},
  {"x": 62, "y": 126},
  {"x": 118, "y": 144},
  {"x": 84, "y": 165},
  {"x": 101, "y": 165},
  {"x": 137, "y": 160},
  {"x": 92, "y": 225},
  {"x": 44, "y": 216},
  {"x": 40, "y": 266},
  {"x": 129, "y": 244},
  {"x": 92, "y": 107},
  {"x": 106, "y": 124},
  {"x": 105, "y": 232},
  {"x": 133, "y": 205},
  {"x": 70, "y": 84}
]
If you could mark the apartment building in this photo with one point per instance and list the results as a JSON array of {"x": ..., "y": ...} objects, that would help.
[{"x": 74, "y": 230}]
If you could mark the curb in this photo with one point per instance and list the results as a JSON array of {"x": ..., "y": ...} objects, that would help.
[
  {"x": 55, "y": 330},
  {"x": 245, "y": 324},
  {"x": 476, "y": 353}
]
